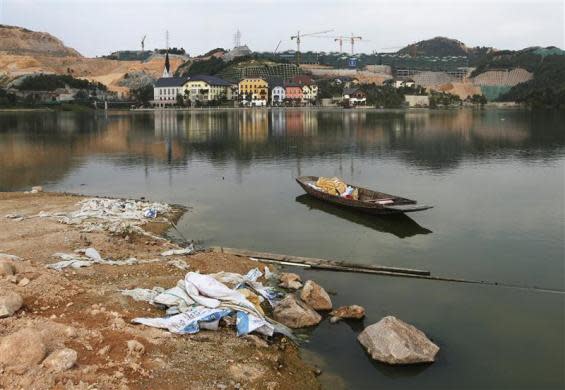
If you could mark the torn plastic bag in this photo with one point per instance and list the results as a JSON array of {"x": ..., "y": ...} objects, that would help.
[
  {"x": 207, "y": 291},
  {"x": 150, "y": 213},
  {"x": 183, "y": 251},
  {"x": 74, "y": 263},
  {"x": 235, "y": 278},
  {"x": 188, "y": 322},
  {"x": 175, "y": 297},
  {"x": 93, "y": 254},
  {"x": 247, "y": 323}
]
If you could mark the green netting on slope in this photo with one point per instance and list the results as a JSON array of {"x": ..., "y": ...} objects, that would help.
[{"x": 493, "y": 92}]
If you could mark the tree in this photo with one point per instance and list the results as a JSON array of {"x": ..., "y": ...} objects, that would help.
[{"x": 143, "y": 95}]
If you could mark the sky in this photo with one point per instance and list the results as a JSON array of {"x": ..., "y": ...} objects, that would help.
[{"x": 98, "y": 27}]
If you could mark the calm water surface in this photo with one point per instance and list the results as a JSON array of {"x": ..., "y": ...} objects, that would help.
[{"x": 496, "y": 179}]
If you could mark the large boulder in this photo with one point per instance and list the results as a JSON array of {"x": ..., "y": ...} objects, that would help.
[
  {"x": 315, "y": 296},
  {"x": 394, "y": 341},
  {"x": 10, "y": 303},
  {"x": 355, "y": 312},
  {"x": 21, "y": 350},
  {"x": 295, "y": 313},
  {"x": 60, "y": 360},
  {"x": 290, "y": 281}
]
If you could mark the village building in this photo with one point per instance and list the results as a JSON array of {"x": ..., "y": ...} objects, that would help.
[
  {"x": 404, "y": 83},
  {"x": 205, "y": 88},
  {"x": 309, "y": 88},
  {"x": 417, "y": 100},
  {"x": 167, "y": 88},
  {"x": 310, "y": 93},
  {"x": 277, "y": 91},
  {"x": 355, "y": 96},
  {"x": 293, "y": 92},
  {"x": 254, "y": 91}
]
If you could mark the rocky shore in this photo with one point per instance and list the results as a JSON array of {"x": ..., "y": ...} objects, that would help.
[{"x": 71, "y": 329}]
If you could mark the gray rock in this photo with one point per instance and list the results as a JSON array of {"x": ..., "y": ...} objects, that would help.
[
  {"x": 393, "y": 341},
  {"x": 7, "y": 257},
  {"x": 10, "y": 302},
  {"x": 315, "y": 296},
  {"x": 290, "y": 281},
  {"x": 7, "y": 268},
  {"x": 61, "y": 360},
  {"x": 21, "y": 350},
  {"x": 295, "y": 313}
]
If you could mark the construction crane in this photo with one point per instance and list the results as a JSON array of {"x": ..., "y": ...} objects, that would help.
[
  {"x": 277, "y": 48},
  {"x": 351, "y": 40},
  {"x": 143, "y": 43},
  {"x": 299, "y": 37}
]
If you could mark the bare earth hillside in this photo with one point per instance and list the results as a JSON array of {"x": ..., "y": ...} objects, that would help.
[
  {"x": 25, "y": 52},
  {"x": 20, "y": 40}
]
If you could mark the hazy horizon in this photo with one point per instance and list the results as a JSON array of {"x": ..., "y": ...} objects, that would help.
[{"x": 98, "y": 27}]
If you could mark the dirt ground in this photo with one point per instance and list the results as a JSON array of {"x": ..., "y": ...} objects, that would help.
[{"x": 83, "y": 309}]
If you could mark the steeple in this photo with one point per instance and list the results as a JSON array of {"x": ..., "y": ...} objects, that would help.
[{"x": 167, "y": 69}]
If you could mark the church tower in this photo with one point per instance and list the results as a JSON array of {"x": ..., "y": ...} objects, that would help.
[{"x": 167, "y": 69}]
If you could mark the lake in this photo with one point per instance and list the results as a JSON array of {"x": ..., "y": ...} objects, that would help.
[{"x": 495, "y": 177}]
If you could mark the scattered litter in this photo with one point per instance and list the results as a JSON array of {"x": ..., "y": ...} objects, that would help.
[
  {"x": 200, "y": 301},
  {"x": 183, "y": 251},
  {"x": 91, "y": 257},
  {"x": 93, "y": 254},
  {"x": 112, "y": 215},
  {"x": 179, "y": 264},
  {"x": 150, "y": 213},
  {"x": 188, "y": 322},
  {"x": 15, "y": 217}
]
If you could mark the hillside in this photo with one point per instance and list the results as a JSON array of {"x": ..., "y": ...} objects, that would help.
[
  {"x": 17, "y": 40},
  {"x": 240, "y": 67},
  {"x": 436, "y": 47},
  {"x": 24, "y": 52},
  {"x": 546, "y": 89},
  {"x": 446, "y": 47}
]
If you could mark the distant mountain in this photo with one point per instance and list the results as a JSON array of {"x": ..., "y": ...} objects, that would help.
[{"x": 18, "y": 40}]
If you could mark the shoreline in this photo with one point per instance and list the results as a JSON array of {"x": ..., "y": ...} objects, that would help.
[
  {"x": 83, "y": 309},
  {"x": 488, "y": 106}
]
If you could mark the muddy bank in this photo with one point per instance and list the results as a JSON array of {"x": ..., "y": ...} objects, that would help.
[{"x": 83, "y": 310}]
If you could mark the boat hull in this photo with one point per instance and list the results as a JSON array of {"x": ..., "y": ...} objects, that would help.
[{"x": 400, "y": 205}]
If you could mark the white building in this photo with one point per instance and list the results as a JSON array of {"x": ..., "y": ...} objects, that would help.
[
  {"x": 404, "y": 83},
  {"x": 206, "y": 88},
  {"x": 167, "y": 88},
  {"x": 277, "y": 94},
  {"x": 310, "y": 93},
  {"x": 417, "y": 100}
]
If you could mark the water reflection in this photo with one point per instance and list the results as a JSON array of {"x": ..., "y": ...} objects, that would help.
[
  {"x": 40, "y": 147},
  {"x": 399, "y": 225}
]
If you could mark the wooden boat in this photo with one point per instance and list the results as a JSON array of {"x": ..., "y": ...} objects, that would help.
[{"x": 371, "y": 202}]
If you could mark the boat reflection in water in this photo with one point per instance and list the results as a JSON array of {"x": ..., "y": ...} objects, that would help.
[{"x": 399, "y": 225}]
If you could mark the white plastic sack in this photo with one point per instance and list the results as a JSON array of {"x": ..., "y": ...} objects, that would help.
[{"x": 188, "y": 322}]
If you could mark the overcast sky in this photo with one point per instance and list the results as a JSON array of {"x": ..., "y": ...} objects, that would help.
[{"x": 97, "y": 27}]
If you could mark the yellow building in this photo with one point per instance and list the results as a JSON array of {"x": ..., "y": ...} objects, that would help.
[
  {"x": 256, "y": 87},
  {"x": 207, "y": 88}
]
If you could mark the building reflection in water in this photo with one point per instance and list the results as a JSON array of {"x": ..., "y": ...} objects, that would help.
[{"x": 39, "y": 147}]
